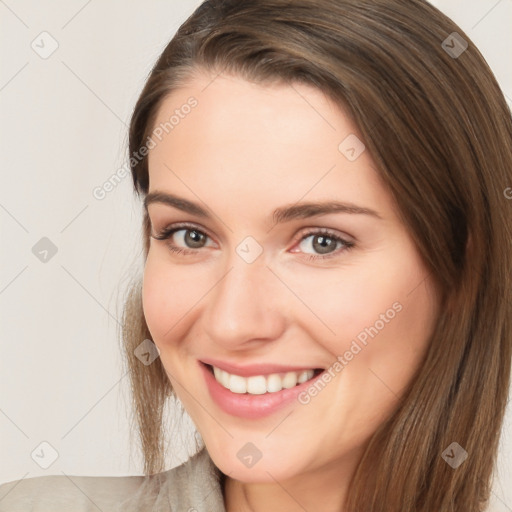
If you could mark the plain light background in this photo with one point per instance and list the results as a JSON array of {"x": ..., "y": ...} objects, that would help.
[{"x": 63, "y": 132}]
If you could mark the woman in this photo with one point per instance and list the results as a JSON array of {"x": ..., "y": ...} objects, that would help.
[{"x": 327, "y": 268}]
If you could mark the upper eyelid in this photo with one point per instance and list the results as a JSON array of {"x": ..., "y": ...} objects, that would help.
[
  {"x": 178, "y": 226},
  {"x": 346, "y": 236}
]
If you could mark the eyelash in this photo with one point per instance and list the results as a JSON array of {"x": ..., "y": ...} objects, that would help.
[{"x": 166, "y": 233}]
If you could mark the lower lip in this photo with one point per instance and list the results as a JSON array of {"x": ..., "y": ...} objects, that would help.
[{"x": 245, "y": 405}]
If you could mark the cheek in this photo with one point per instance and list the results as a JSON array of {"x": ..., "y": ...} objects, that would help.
[
  {"x": 347, "y": 300},
  {"x": 168, "y": 294},
  {"x": 382, "y": 317},
  {"x": 393, "y": 329},
  {"x": 381, "y": 311}
]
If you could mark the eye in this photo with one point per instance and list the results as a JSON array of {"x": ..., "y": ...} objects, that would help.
[
  {"x": 184, "y": 238},
  {"x": 188, "y": 239},
  {"x": 324, "y": 244}
]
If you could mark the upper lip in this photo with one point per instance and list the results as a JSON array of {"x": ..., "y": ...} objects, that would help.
[{"x": 255, "y": 369}]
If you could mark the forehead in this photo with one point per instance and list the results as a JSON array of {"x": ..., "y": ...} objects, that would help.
[
  {"x": 243, "y": 142},
  {"x": 243, "y": 114}
]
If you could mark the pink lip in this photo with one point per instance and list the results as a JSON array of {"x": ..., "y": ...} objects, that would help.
[
  {"x": 254, "y": 369},
  {"x": 249, "y": 406}
]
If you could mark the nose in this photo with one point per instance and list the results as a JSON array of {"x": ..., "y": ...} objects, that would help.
[{"x": 245, "y": 307}]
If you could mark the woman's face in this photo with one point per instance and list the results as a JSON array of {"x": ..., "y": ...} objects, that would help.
[{"x": 293, "y": 260}]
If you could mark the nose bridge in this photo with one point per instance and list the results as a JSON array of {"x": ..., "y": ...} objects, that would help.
[{"x": 243, "y": 305}]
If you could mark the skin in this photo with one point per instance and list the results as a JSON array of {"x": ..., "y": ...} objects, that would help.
[{"x": 244, "y": 151}]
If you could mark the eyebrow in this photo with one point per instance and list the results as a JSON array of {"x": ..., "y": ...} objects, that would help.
[{"x": 280, "y": 215}]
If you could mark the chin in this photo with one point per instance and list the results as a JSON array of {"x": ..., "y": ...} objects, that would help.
[{"x": 268, "y": 468}]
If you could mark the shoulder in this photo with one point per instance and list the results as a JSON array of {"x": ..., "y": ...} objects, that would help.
[
  {"x": 194, "y": 485},
  {"x": 63, "y": 492}
]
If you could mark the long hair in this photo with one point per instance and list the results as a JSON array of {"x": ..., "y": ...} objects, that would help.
[{"x": 440, "y": 133}]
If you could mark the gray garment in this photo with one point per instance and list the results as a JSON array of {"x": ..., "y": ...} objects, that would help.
[{"x": 195, "y": 486}]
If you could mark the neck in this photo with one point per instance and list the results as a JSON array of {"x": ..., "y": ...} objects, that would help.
[{"x": 326, "y": 487}]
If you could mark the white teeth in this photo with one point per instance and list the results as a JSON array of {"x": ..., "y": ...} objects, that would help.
[
  {"x": 303, "y": 377},
  {"x": 290, "y": 380},
  {"x": 274, "y": 383},
  {"x": 257, "y": 385},
  {"x": 237, "y": 384},
  {"x": 260, "y": 384},
  {"x": 224, "y": 379}
]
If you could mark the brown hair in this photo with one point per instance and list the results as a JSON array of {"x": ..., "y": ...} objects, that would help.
[{"x": 440, "y": 133}]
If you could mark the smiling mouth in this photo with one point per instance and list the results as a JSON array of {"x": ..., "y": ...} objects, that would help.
[{"x": 261, "y": 384}]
